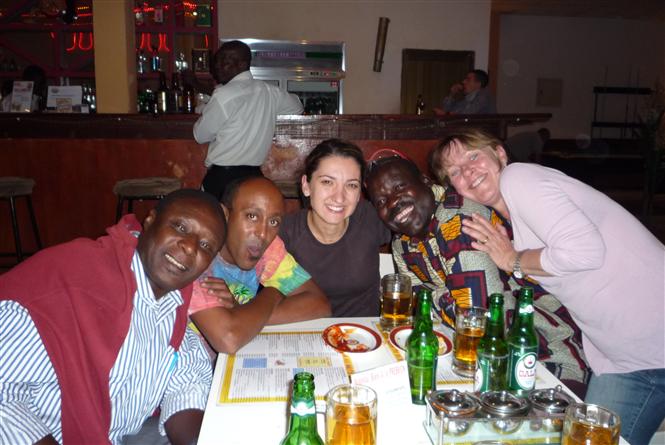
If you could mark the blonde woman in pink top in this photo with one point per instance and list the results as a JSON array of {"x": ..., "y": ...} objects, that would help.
[{"x": 588, "y": 251}]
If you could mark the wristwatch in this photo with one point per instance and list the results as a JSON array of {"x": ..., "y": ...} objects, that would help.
[{"x": 517, "y": 270}]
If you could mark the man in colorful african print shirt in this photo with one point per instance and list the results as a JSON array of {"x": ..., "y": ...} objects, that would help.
[
  {"x": 253, "y": 281},
  {"x": 430, "y": 247}
]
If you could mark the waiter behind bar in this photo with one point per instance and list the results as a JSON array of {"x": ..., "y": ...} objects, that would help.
[{"x": 239, "y": 120}]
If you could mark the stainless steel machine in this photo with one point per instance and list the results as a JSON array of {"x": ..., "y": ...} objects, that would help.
[{"x": 312, "y": 70}]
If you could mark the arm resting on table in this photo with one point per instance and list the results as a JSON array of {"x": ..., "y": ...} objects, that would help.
[
  {"x": 307, "y": 302},
  {"x": 227, "y": 330}
]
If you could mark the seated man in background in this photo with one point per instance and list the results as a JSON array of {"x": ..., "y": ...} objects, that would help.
[
  {"x": 430, "y": 247},
  {"x": 469, "y": 96},
  {"x": 93, "y": 334},
  {"x": 253, "y": 281}
]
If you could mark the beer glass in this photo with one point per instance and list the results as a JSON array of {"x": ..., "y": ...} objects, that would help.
[
  {"x": 586, "y": 424},
  {"x": 396, "y": 300},
  {"x": 469, "y": 329},
  {"x": 351, "y": 415}
]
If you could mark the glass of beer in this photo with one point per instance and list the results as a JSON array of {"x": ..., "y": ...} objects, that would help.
[
  {"x": 587, "y": 424},
  {"x": 351, "y": 415},
  {"x": 469, "y": 329},
  {"x": 396, "y": 300}
]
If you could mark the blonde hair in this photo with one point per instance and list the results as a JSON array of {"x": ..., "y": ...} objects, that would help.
[{"x": 468, "y": 139}]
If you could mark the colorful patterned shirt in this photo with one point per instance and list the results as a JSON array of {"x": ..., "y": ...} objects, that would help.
[
  {"x": 462, "y": 275},
  {"x": 276, "y": 268}
]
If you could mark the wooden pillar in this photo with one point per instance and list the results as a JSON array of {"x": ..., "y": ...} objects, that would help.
[{"x": 115, "y": 55}]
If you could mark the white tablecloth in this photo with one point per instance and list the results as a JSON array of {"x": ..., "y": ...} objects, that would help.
[{"x": 266, "y": 422}]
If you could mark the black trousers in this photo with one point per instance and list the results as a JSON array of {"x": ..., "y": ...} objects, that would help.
[{"x": 219, "y": 177}]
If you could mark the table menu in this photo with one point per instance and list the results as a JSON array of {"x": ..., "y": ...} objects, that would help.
[{"x": 262, "y": 370}]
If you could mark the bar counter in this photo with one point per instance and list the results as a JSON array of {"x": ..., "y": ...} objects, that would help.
[{"x": 76, "y": 159}]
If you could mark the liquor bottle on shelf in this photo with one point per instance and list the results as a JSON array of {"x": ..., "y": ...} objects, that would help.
[
  {"x": 492, "y": 353},
  {"x": 188, "y": 99},
  {"x": 522, "y": 346},
  {"x": 155, "y": 60},
  {"x": 162, "y": 94},
  {"x": 180, "y": 63},
  {"x": 141, "y": 63},
  {"x": 176, "y": 96},
  {"x": 420, "y": 105},
  {"x": 422, "y": 350},
  {"x": 302, "y": 424}
]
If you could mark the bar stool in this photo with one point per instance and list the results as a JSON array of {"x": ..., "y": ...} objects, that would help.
[
  {"x": 12, "y": 187},
  {"x": 141, "y": 189}
]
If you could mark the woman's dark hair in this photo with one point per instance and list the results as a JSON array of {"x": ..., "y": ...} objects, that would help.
[{"x": 332, "y": 147}]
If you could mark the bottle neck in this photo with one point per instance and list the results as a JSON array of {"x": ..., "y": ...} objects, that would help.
[
  {"x": 303, "y": 413},
  {"x": 495, "y": 322},
  {"x": 423, "y": 310},
  {"x": 524, "y": 316}
]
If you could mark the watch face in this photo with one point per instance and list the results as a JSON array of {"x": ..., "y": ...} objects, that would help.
[{"x": 518, "y": 274}]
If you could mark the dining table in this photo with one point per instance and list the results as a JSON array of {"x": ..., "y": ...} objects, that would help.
[{"x": 249, "y": 397}]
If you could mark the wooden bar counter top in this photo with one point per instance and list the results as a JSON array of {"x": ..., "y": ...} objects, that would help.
[{"x": 76, "y": 159}]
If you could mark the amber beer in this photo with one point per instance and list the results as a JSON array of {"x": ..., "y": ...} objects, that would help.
[
  {"x": 581, "y": 433},
  {"x": 396, "y": 300},
  {"x": 396, "y": 308},
  {"x": 469, "y": 329},
  {"x": 351, "y": 415},
  {"x": 587, "y": 424},
  {"x": 351, "y": 425},
  {"x": 466, "y": 345}
]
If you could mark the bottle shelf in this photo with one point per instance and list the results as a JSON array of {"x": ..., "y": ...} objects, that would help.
[{"x": 56, "y": 46}]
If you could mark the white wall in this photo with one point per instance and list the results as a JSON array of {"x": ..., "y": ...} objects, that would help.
[
  {"x": 427, "y": 24},
  {"x": 580, "y": 51}
]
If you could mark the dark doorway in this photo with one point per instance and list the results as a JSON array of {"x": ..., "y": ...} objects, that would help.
[{"x": 431, "y": 73}]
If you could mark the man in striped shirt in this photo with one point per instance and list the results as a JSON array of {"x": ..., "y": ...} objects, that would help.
[{"x": 93, "y": 334}]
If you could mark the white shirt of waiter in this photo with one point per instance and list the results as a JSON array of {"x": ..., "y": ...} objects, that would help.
[{"x": 239, "y": 120}]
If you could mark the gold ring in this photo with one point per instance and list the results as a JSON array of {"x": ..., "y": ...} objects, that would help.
[{"x": 484, "y": 241}]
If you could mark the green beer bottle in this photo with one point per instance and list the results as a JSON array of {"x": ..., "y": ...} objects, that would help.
[
  {"x": 422, "y": 350},
  {"x": 302, "y": 425},
  {"x": 522, "y": 346},
  {"x": 492, "y": 354}
]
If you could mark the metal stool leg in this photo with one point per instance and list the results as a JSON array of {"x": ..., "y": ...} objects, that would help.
[
  {"x": 33, "y": 220},
  {"x": 17, "y": 236},
  {"x": 118, "y": 210}
]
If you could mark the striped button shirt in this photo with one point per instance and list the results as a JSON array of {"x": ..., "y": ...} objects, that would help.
[{"x": 148, "y": 372}]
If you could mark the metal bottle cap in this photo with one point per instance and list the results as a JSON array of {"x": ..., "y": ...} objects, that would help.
[
  {"x": 453, "y": 403},
  {"x": 551, "y": 400},
  {"x": 503, "y": 404}
]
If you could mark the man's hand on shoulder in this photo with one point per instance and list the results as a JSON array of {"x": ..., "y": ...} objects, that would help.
[{"x": 217, "y": 287}]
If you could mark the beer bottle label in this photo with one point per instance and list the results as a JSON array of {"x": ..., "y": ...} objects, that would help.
[
  {"x": 523, "y": 369},
  {"x": 527, "y": 309},
  {"x": 303, "y": 409}
]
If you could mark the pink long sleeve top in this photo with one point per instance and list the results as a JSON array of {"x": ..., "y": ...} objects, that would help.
[{"x": 606, "y": 267}]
